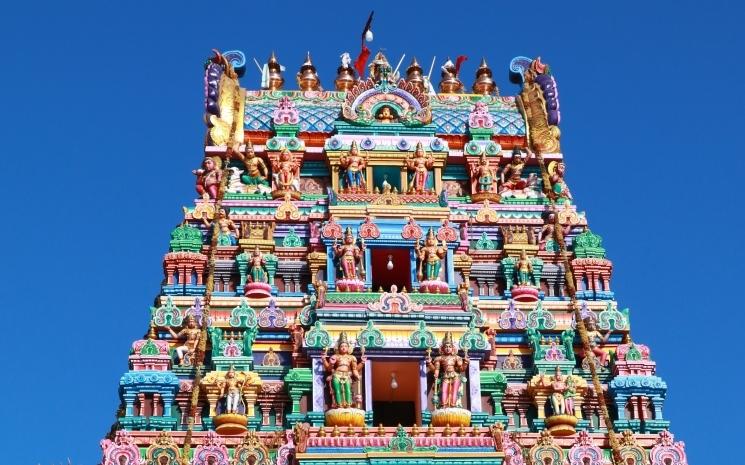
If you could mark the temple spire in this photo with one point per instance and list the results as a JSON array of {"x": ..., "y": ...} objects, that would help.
[
  {"x": 345, "y": 76},
  {"x": 414, "y": 74},
  {"x": 275, "y": 81},
  {"x": 484, "y": 84},
  {"x": 307, "y": 79},
  {"x": 450, "y": 84}
]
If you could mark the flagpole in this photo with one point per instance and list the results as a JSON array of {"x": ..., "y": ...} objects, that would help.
[
  {"x": 431, "y": 67},
  {"x": 399, "y": 64},
  {"x": 261, "y": 71}
]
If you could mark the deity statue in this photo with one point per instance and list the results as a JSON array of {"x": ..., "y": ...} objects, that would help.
[
  {"x": 448, "y": 368},
  {"x": 558, "y": 386},
  {"x": 286, "y": 172},
  {"x": 349, "y": 255},
  {"x": 191, "y": 335},
  {"x": 257, "y": 267},
  {"x": 343, "y": 369},
  {"x": 484, "y": 174},
  {"x": 385, "y": 115},
  {"x": 420, "y": 163},
  {"x": 524, "y": 269},
  {"x": 430, "y": 257},
  {"x": 569, "y": 394},
  {"x": 596, "y": 340},
  {"x": 511, "y": 176},
  {"x": 353, "y": 164},
  {"x": 256, "y": 170},
  {"x": 226, "y": 235},
  {"x": 231, "y": 391},
  {"x": 208, "y": 178},
  {"x": 560, "y": 189}
]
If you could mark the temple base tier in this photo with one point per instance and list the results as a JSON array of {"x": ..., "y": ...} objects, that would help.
[
  {"x": 562, "y": 425},
  {"x": 345, "y": 417},
  {"x": 230, "y": 424},
  {"x": 451, "y": 416},
  {"x": 258, "y": 290},
  {"x": 525, "y": 294},
  {"x": 350, "y": 285},
  {"x": 434, "y": 287}
]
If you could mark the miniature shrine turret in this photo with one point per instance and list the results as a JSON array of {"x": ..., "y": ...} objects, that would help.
[{"x": 380, "y": 274}]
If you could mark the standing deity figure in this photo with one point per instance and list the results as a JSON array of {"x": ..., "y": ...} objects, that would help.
[
  {"x": 569, "y": 394},
  {"x": 208, "y": 178},
  {"x": 524, "y": 269},
  {"x": 349, "y": 255},
  {"x": 342, "y": 369},
  {"x": 484, "y": 174},
  {"x": 448, "y": 368},
  {"x": 257, "y": 264},
  {"x": 353, "y": 164},
  {"x": 430, "y": 257},
  {"x": 256, "y": 170},
  {"x": 420, "y": 163},
  {"x": 511, "y": 176},
  {"x": 191, "y": 335},
  {"x": 556, "y": 172},
  {"x": 286, "y": 171},
  {"x": 596, "y": 340},
  {"x": 231, "y": 391},
  {"x": 558, "y": 386},
  {"x": 226, "y": 234}
]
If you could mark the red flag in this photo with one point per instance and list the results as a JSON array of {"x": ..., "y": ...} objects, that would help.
[
  {"x": 361, "y": 61},
  {"x": 459, "y": 61}
]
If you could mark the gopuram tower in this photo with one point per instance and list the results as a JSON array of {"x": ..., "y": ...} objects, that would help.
[{"x": 384, "y": 274}]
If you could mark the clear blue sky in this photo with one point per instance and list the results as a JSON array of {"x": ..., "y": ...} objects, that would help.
[{"x": 102, "y": 124}]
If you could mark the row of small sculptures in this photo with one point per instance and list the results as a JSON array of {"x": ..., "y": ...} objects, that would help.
[{"x": 286, "y": 173}]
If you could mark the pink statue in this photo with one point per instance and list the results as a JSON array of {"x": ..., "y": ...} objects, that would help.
[
  {"x": 596, "y": 340},
  {"x": 420, "y": 163},
  {"x": 558, "y": 386},
  {"x": 208, "y": 178},
  {"x": 286, "y": 172},
  {"x": 349, "y": 255}
]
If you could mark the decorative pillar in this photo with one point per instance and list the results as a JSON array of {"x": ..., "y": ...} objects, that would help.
[
  {"x": 423, "y": 405},
  {"x": 141, "y": 398},
  {"x": 368, "y": 385},
  {"x": 318, "y": 394},
  {"x": 157, "y": 411},
  {"x": 474, "y": 383}
]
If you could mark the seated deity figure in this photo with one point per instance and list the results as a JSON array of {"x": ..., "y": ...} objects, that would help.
[
  {"x": 448, "y": 368},
  {"x": 343, "y": 370},
  {"x": 208, "y": 178},
  {"x": 256, "y": 170},
  {"x": 353, "y": 165},
  {"x": 511, "y": 176},
  {"x": 191, "y": 335},
  {"x": 226, "y": 234},
  {"x": 420, "y": 163},
  {"x": 349, "y": 255},
  {"x": 286, "y": 172},
  {"x": 231, "y": 391},
  {"x": 257, "y": 264}
]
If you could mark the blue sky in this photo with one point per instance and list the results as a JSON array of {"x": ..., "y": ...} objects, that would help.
[{"x": 102, "y": 125}]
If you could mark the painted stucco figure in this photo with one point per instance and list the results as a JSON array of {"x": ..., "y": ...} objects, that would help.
[
  {"x": 430, "y": 257},
  {"x": 257, "y": 271},
  {"x": 524, "y": 270},
  {"x": 343, "y": 370},
  {"x": 420, "y": 162},
  {"x": 208, "y": 178},
  {"x": 226, "y": 235},
  {"x": 286, "y": 171},
  {"x": 256, "y": 170},
  {"x": 485, "y": 175},
  {"x": 191, "y": 335},
  {"x": 449, "y": 370},
  {"x": 231, "y": 391},
  {"x": 349, "y": 255},
  {"x": 353, "y": 165}
]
